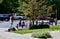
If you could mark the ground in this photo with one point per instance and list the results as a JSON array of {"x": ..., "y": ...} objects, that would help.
[
  {"x": 8, "y": 35},
  {"x": 55, "y": 34}
]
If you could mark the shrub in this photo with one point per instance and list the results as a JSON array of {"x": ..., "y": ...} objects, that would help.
[
  {"x": 42, "y": 34},
  {"x": 38, "y": 26}
]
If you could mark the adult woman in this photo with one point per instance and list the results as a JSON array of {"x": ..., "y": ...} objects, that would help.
[{"x": 11, "y": 21}]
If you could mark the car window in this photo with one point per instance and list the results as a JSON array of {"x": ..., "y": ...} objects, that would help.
[
  {"x": 16, "y": 15},
  {"x": 1, "y": 15},
  {"x": 5, "y": 15}
]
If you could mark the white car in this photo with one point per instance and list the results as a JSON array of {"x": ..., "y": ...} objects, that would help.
[{"x": 16, "y": 16}]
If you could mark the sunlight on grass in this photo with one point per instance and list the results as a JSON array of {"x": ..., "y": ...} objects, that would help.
[
  {"x": 55, "y": 28},
  {"x": 24, "y": 31},
  {"x": 30, "y": 31}
]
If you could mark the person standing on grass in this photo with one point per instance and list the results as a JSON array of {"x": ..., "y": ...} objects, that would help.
[
  {"x": 51, "y": 21},
  {"x": 55, "y": 21},
  {"x": 23, "y": 24},
  {"x": 11, "y": 21},
  {"x": 19, "y": 24}
]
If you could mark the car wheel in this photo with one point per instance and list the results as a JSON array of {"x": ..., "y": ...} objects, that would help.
[{"x": 19, "y": 18}]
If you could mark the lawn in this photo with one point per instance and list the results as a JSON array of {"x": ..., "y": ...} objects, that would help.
[
  {"x": 29, "y": 31},
  {"x": 52, "y": 28}
]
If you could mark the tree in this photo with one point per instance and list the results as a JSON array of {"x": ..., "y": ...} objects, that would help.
[
  {"x": 34, "y": 8},
  {"x": 31, "y": 8},
  {"x": 8, "y": 6},
  {"x": 56, "y": 6}
]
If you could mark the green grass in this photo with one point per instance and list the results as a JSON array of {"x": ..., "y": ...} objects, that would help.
[
  {"x": 52, "y": 28},
  {"x": 29, "y": 31}
]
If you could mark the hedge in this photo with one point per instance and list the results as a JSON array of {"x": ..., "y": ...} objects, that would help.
[{"x": 40, "y": 26}]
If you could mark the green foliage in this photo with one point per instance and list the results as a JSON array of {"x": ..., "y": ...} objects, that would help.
[
  {"x": 42, "y": 34},
  {"x": 34, "y": 8},
  {"x": 55, "y": 28},
  {"x": 1, "y": 1},
  {"x": 8, "y": 6},
  {"x": 31, "y": 8},
  {"x": 38, "y": 26}
]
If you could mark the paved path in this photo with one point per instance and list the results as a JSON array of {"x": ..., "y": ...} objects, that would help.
[
  {"x": 55, "y": 34},
  {"x": 8, "y": 35}
]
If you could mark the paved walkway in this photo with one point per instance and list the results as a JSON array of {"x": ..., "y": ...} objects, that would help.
[
  {"x": 55, "y": 34},
  {"x": 9, "y": 35}
]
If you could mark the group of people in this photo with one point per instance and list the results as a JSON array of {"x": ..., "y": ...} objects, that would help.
[
  {"x": 22, "y": 24},
  {"x": 19, "y": 24},
  {"x": 51, "y": 20}
]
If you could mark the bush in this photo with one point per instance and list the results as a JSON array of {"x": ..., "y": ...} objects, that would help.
[
  {"x": 38, "y": 26},
  {"x": 42, "y": 34}
]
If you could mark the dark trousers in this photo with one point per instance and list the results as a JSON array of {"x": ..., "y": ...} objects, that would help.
[
  {"x": 51, "y": 23},
  {"x": 56, "y": 23}
]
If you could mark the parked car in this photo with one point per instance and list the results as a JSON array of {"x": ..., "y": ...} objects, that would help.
[
  {"x": 17, "y": 16},
  {"x": 4, "y": 17}
]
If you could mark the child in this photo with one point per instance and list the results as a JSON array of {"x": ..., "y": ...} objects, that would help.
[
  {"x": 23, "y": 24},
  {"x": 17, "y": 26}
]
